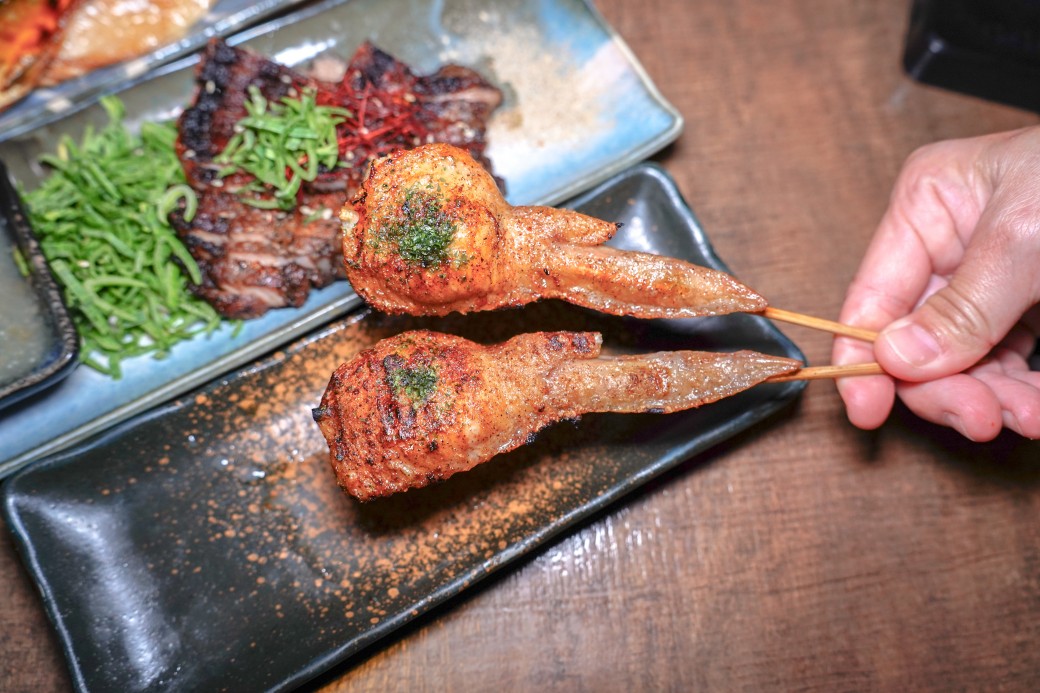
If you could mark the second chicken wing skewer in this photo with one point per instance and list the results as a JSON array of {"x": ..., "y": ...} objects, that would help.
[{"x": 422, "y": 406}]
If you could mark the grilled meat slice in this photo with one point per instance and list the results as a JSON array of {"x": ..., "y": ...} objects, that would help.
[
  {"x": 254, "y": 259},
  {"x": 423, "y": 405},
  {"x": 251, "y": 259},
  {"x": 397, "y": 109}
]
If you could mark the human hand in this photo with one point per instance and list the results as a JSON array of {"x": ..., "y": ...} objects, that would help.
[{"x": 951, "y": 280}]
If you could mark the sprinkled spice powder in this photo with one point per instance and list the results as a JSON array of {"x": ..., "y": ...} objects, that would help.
[
  {"x": 553, "y": 98},
  {"x": 249, "y": 494}
]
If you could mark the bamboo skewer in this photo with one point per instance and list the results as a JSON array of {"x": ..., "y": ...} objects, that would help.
[
  {"x": 821, "y": 372},
  {"x": 820, "y": 324},
  {"x": 824, "y": 372}
]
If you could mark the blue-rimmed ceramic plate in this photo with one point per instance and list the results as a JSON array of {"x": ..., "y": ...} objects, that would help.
[
  {"x": 578, "y": 109},
  {"x": 206, "y": 546}
]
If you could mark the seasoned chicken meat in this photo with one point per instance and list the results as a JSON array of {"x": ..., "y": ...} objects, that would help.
[
  {"x": 424, "y": 405},
  {"x": 429, "y": 233}
]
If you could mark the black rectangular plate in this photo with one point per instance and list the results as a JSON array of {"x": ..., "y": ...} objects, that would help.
[{"x": 206, "y": 546}]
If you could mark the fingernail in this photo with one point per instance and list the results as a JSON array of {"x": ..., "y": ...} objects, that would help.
[
  {"x": 913, "y": 344},
  {"x": 954, "y": 422},
  {"x": 1011, "y": 421}
]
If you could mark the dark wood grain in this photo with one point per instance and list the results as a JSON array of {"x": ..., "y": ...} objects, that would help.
[{"x": 804, "y": 554}]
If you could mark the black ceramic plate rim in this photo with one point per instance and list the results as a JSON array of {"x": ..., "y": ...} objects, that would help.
[
  {"x": 46, "y": 288},
  {"x": 783, "y": 394}
]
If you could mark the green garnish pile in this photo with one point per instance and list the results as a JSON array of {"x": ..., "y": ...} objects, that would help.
[
  {"x": 421, "y": 231},
  {"x": 417, "y": 383},
  {"x": 101, "y": 218},
  {"x": 281, "y": 145}
]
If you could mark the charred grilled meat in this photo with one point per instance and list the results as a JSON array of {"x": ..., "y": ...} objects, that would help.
[
  {"x": 254, "y": 259},
  {"x": 430, "y": 233},
  {"x": 424, "y": 405}
]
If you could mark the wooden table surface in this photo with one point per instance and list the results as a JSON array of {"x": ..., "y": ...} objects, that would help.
[{"x": 804, "y": 554}]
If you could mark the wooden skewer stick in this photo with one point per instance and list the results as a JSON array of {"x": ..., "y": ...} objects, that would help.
[
  {"x": 819, "y": 324},
  {"x": 821, "y": 372}
]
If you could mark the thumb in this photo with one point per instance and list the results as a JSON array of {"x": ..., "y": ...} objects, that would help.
[{"x": 960, "y": 323}]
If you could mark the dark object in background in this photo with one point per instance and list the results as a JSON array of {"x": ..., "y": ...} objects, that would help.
[{"x": 986, "y": 48}]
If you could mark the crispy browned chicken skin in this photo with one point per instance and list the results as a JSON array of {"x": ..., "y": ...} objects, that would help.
[
  {"x": 429, "y": 233},
  {"x": 424, "y": 405}
]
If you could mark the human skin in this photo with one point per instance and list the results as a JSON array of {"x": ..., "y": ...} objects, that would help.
[{"x": 951, "y": 280}]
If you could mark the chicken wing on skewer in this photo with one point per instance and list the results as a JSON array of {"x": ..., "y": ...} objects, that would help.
[
  {"x": 429, "y": 233},
  {"x": 424, "y": 405}
]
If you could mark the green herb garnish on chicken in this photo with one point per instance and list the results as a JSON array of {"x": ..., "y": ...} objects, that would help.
[
  {"x": 417, "y": 383},
  {"x": 421, "y": 231}
]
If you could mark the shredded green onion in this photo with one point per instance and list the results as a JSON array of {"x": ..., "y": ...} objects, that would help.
[
  {"x": 281, "y": 145},
  {"x": 101, "y": 218}
]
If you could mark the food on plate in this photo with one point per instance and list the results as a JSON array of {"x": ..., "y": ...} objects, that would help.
[
  {"x": 237, "y": 199},
  {"x": 44, "y": 42},
  {"x": 101, "y": 220},
  {"x": 104, "y": 32},
  {"x": 30, "y": 37},
  {"x": 265, "y": 234},
  {"x": 430, "y": 233},
  {"x": 422, "y": 406}
]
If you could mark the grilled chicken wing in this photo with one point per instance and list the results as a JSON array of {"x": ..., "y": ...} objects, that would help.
[
  {"x": 429, "y": 233},
  {"x": 424, "y": 405}
]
